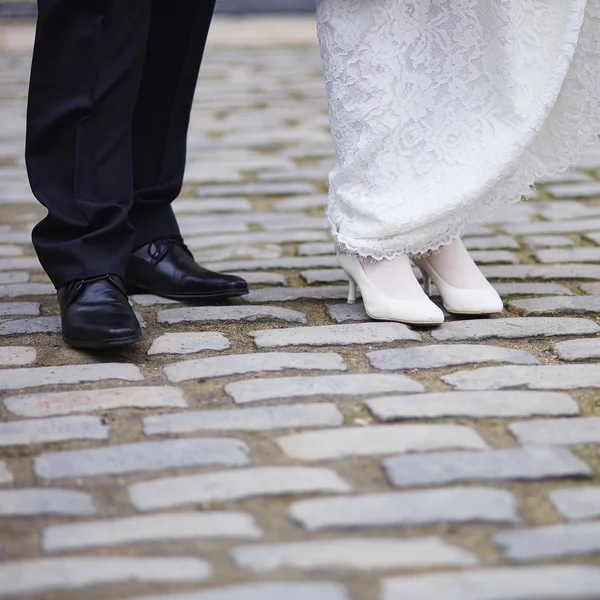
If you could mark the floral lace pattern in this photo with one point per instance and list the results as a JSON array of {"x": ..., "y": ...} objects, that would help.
[{"x": 445, "y": 111}]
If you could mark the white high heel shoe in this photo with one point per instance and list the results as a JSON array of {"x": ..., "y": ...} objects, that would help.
[
  {"x": 473, "y": 295},
  {"x": 418, "y": 310}
]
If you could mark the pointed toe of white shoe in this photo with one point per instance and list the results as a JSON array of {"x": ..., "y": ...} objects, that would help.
[{"x": 382, "y": 307}]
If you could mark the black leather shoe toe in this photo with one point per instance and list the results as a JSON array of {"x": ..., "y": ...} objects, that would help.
[
  {"x": 96, "y": 314},
  {"x": 166, "y": 267}
]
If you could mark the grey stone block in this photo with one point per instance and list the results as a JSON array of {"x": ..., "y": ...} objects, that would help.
[
  {"x": 205, "y": 314},
  {"x": 28, "y": 326},
  {"x": 575, "y": 190},
  {"x": 324, "y": 276},
  {"x": 315, "y": 249},
  {"x": 249, "y": 419},
  {"x": 28, "y": 263},
  {"x": 473, "y": 405},
  {"x": 486, "y": 257},
  {"x": 556, "y": 305},
  {"x": 481, "y": 329},
  {"x": 265, "y": 591},
  {"x": 555, "y": 541},
  {"x": 14, "y": 277},
  {"x": 569, "y": 255},
  {"x": 434, "y": 357},
  {"x": 548, "y": 241},
  {"x": 325, "y": 292},
  {"x": 578, "y": 503},
  {"x": 556, "y": 582},
  {"x": 578, "y": 349},
  {"x": 238, "y": 364},
  {"x": 11, "y": 379},
  {"x": 352, "y": 553},
  {"x": 19, "y": 309},
  {"x": 344, "y": 313},
  {"x": 73, "y": 573},
  {"x": 151, "y": 528},
  {"x": 35, "y": 502},
  {"x": 547, "y": 227},
  {"x": 546, "y": 377},
  {"x": 57, "y": 429},
  {"x": 238, "y": 484},
  {"x": 5, "y": 475},
  {"x": 14, "y": 290},
  {"x": 583, "y": 430},
  {"x": 255, "y": 390},
  {"x": 378, "y": 439},
  {"x": 497, "y": 242},
  {"x": 334, "y": 335},
  {"x": 63, "y": 403},
  {"x": 260, "y": 237},
  {"x": 17, "y": 355},
  {"x": 295, "y": 262},
  {"x": 189, "y": 342},
  {"x": 407, "y": 509},
  {"x": 531, "y": 463},
  {"x": 543, "y": 272},
  {"x": 257, "y": 189},
  {"x": 142, "y": 456},
  {"x": 300, "y": 203}
]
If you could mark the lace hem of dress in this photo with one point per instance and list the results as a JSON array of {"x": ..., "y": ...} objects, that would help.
[{"x": 572, "y": 127}]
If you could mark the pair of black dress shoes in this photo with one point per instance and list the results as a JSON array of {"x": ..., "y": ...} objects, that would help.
[{"x": 96, "y": 313}]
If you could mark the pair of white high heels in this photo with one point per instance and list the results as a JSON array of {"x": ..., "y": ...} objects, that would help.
[{"x": 463, "y": 287}]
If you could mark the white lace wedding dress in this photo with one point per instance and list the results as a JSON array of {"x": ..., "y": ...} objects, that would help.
[{"x": 445, "y": 111}]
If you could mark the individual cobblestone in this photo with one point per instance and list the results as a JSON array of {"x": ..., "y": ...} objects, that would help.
[
  {"x": 234, "y": 485},
  {"x": 300, "y": 203},
  {"x": 501, "y": 257},
  {"x": 323, "y": 292},
  {"x": 256, "y": 390},
  {"x": 578, "y": 349},
  {"x": 14, "y": 277},
  {"x": 577, "y": 504},
  {"x": 434, "y": 357},
  {"x": 57, "y": 429},
  {"x": 557, "y": 305},
  {"x": 352, "y": 553},
  {"x": 11, "y": 379},
  {"x": 5, "y": 475},
  {"x": 344, "y": 313},
  {"x": 65, "y": 403},
  {"x": 555, "y": 541},
  {"x": 315, "y": 249},
  {"x": 19, "y": 309},
  {"x": 548, "y": 241},
  {"x": 240, "y": 364},
  {"x": 584, "y": 430},
  {"x": 17, "y": 355},
  {"x": 299, "y": 262},
  {"x": 530, "y": 463},
  {"x": 33, "y": 325},
  {"x": 473, "y": 405},
  {"x": 249, "y": 419},
  {"x": 313, "y": 276},
  {"x": 265, "y": 591},
  {"x": 206, "y": 314},
  {"x": 189, "y": 343},
  {"x": 569, "y": 255},
  {"x": 577, "y": 190},
  {"x": 15, "y": 290},
  {"x": 334, "y": 335},
  {"x": 546, "y": 377},
  {"x": 142, "y": 456},
  {"x": 383, "y": 439},
  {"x": 151, "y": 528},
  {"x": 256, "y": 189},
  {"x": 407, "y": 509},
  {"x": 69, "y": 573},
  {"x": 30, "y": 502},
  {"x": 481, "y": 329},
  {"x": 497, "y": 242},
  {"x": 544, "y": 272},
  {"x": 545, "y": 227},
  {"x": 568, "y": 582}
]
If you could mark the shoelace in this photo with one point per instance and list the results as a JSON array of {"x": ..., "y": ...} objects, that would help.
[{"x": 157, "y": 251}]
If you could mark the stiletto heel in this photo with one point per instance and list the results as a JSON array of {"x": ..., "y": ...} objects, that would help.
[
  {"x": 427, "y": 284},
  {"x": 417, "y": 310},
  {"x": 351, "y": 291}
]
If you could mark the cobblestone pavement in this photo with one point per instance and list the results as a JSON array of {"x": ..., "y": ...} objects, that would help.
[{"x": 284, "y": 447}]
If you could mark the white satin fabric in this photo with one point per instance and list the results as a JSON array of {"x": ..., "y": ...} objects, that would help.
[{"x": 445, "y": 111}]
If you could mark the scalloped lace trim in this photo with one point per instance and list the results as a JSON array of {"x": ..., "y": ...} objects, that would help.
[{"x": 444, "y": 112}]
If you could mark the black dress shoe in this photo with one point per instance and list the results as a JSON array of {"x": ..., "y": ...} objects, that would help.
[
  {"x": 96, "y": 314},
  {"x": 166, "y": 267}
]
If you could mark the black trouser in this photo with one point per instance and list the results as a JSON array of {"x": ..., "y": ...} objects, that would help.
[{"x": 111, "y": 89}]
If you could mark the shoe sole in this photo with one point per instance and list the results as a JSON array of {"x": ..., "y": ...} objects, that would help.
[
  {"x": 103, "y": 344},
  {"x": 188, "y": 297}
]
